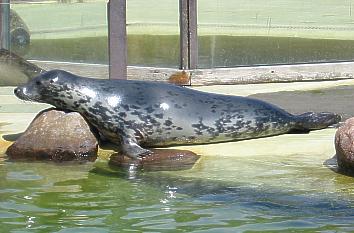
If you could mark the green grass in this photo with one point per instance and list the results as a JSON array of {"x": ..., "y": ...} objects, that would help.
[
  {"x": 232, "y": 32},
  {"x": 57, "y": 17},
  {"x": 310, "y": 19}
]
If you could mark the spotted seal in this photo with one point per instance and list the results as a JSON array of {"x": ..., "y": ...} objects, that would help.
[{"x": 141, "y": 113}]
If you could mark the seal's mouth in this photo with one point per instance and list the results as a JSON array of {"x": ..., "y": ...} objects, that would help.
[{"x": 22, "y": 93}]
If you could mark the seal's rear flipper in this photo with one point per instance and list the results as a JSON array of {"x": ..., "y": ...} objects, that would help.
[
  {"x": 312, "y": 120},
  {"x": 134, "y": 151},
  {"x": 130, "y": 148}
]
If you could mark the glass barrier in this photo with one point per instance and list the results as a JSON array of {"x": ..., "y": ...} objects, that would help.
[
  {"x": 153, "y": 33},
  {"x": 72, "y": 34},
  {"x": 63, "y": 34},
  {"x": 245, "y": 33}
]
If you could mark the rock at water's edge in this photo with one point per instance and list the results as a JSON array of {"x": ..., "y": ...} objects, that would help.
[
  {"x": 58, "y": 136},
  {"x": 344, "y": 144}
]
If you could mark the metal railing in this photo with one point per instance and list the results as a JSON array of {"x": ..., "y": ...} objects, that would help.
[{"x": 5, "y": 24}]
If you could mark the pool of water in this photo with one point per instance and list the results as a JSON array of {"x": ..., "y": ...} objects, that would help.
[{"x": 264, "y": 192}]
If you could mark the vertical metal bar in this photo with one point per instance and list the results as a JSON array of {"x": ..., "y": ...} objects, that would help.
[
  {"x": 1, "y": 33},
  {"x": 188, "y": 34},
  {"x": 184, "y": 38},
  {"x": 193, "y": 34},
  {"x": 5, "y": 24},
  {"x": 117, "y": 39}
]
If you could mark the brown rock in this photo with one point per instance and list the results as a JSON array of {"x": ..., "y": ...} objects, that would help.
[
  {"x": 344, "y": 144},
  {"x": 160, "y": 160},
  {"x": 58, "y": 136}
]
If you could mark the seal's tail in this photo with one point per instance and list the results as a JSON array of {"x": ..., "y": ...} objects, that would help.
[{"x": 313, "y": 120}]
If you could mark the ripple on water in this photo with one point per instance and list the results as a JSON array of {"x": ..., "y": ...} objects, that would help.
[
  {"x": 22, "y": 207},
  {"x": 27, "y": 175},
  {"x": 82, "y": 229},
  {"x": 6, "y": 214}
]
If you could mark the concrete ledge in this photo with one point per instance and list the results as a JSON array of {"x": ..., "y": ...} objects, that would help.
[
  {"x": 239, "y": 75},
  {"x": 276, "y": 73}
]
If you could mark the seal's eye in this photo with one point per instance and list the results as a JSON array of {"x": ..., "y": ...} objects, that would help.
[
  {"x": 38, "y": 83},
  {"x": 53, "y": 80}
]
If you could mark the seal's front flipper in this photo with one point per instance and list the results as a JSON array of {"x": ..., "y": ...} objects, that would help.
[
  {"x": 131, "y": 149},
  {"x": 312, "y": 120}
]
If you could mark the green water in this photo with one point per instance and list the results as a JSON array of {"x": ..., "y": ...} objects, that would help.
[{"x": 44, "y": 197}]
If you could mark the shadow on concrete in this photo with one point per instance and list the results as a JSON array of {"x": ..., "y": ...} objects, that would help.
[{"x": 336, "y": 99}]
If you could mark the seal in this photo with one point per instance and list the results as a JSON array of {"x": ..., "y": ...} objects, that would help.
[
  {"x": 15, "y": 70},
  {"x": 137, "y": 114}
]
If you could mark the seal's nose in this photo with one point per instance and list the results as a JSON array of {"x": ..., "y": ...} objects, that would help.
[{"x": 16, "y": 91}]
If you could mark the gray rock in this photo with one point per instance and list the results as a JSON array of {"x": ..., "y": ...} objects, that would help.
[
  {"x": 344, "y": 144},
  {"x": 58, "y": 136}
]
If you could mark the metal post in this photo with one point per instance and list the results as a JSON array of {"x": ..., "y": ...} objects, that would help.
[
  {"x": 117, "y": 39},
  {"x": 5, "y": 24},
  {"x": 1, "y": 33},
  {"x": 193, "y": 34},
  {"x": 188, "y": 34},
  {"x": 184, "y": 31}
]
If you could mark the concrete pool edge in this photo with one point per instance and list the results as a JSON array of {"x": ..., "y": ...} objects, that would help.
[{"x": 260, "y": 74}]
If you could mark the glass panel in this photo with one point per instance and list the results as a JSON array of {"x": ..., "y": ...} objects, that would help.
[
  {"x": 243, "y": 32},
  {"x": 153, "y": 33},
  {"x": 60, "y": 34}
]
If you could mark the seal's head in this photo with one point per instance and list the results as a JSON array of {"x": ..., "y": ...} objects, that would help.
[{"x": 46, "y": 87}]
